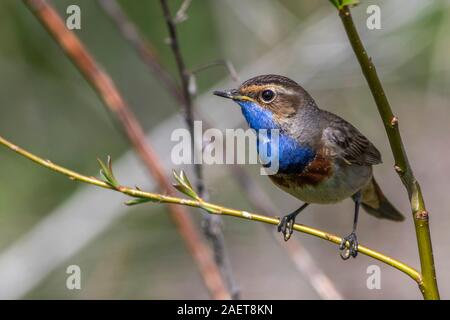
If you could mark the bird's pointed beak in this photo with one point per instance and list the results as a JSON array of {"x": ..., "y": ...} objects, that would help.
[
  {"x": 229, "y": 94},
  {"x": 232, "y": 94}
]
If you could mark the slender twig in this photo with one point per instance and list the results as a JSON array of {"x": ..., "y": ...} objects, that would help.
[
  {"x": 420, "y": 214},
  {"x": 212, "y": 225},
  {"x": 145, "y": 50},
  {"x": 225, "y": 63},
  {"x": 211, "y": 208},
  {"x": 113, "y": 100},
  {"x": 184, "y": 76},
  {"x": 299, "y": 255}
]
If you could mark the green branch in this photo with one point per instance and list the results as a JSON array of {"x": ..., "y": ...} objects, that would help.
[
  {"x": 429, "y": 287},
  {"x": 184, "y": 186}
]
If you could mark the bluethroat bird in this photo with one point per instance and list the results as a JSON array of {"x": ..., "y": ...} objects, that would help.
[{"x": 323, "y": 159}]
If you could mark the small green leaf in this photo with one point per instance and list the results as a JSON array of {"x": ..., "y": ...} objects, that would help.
[
  {"x": 109, "y": 161},
  {"x": 103, "y": 169},
  {"x": 185, "y": 179},
  {"x": 107, "y": 173},
  {"x": 139, "y": 201},
  {"x": 179, "y": 187},
  {"x": 187, "y": 191},
  {"x": 177, "y": 177},
  {"x": 211, "y": 210},
  {"x": 184, "y": 186},
  {"x": 339, "y": 4},
  {"x": 350, "y": 2}
]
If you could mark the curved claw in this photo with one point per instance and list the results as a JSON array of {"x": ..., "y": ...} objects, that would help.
[
  {"x": 352, "y": 250},
  {"x": 286, "y": 226}
]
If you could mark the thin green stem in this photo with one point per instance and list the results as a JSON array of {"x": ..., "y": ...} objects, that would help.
[
  {"x": 429, "y": 287},
  {"x": 210, "y": 208}
]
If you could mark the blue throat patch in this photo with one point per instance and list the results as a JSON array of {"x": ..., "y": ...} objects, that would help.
[{"x": 293, "y": 157}]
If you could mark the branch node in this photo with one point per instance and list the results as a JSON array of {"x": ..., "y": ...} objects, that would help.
[
  {"x": 192, "y": 85},
  {"x": 422, "y": 215},
  {"x": 247, "y": 215},
  {"x": 399, "y": 169},
  {"x": 121, "y": 189},
  {"x": 394, "y": 122}
]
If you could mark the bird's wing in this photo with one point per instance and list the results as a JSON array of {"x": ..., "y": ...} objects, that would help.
[{"x": 346, "y": 142}]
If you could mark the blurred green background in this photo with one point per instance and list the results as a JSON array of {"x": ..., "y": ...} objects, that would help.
[{"x": 48, "y": 108}]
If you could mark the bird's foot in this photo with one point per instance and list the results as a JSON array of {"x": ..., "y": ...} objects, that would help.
[
  {"x": 286, "y": 225},
  {"x": 352, "y": 250}
]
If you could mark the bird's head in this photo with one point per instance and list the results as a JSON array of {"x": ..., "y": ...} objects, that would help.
[{"x": 268, "y": 100}]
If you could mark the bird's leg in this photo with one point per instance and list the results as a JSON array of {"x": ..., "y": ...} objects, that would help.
[
  {"x": 352, "y": 250},
  {"x": 286, "y": 225}
]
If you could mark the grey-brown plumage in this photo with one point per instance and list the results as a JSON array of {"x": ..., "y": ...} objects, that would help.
[
  {"x": 352, "y": 145},
  {"x": 323, "y": 158},
  {"x": 322, "y": 130}
]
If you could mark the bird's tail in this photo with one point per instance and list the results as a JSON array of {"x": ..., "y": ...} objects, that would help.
[{"x": 376, "y": 204}]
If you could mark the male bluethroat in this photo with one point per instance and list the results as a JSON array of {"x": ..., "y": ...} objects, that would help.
[{"x": 322, "y": 158}]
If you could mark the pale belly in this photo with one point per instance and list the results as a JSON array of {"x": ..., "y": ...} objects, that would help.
[{"x": 343, "y": 183}]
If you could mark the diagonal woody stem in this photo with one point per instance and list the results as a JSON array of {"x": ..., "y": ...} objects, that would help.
[{"x": 420, "y": 214}]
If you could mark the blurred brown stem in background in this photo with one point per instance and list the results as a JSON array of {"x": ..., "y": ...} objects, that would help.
[
  {"x": 420, "y": 214},
  {"x": 302, "y": 259},
  {"x": 113, "y": 100}
]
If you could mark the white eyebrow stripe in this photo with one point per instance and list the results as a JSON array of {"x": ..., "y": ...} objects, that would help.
[
  {"x": 286, "y": 91},
  {"x": 274, "y": 87}
]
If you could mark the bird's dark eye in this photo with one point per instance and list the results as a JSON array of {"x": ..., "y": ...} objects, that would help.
[{"x": 267, "y": 95}]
